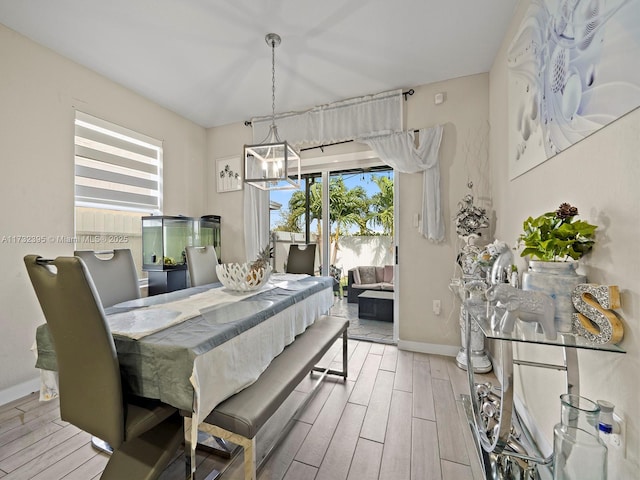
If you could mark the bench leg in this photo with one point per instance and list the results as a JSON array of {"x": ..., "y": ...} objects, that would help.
[
  {"x": 345, "y": 362},
  {"x": 248, "y": 444}
]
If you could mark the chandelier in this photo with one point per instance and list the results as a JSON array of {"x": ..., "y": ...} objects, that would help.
[{"x": 272, "y": 164}]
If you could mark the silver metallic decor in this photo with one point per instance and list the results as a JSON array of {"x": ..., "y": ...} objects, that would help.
[
  {"x": 596, "y": 322},
  {"x": 528, "y": 306},
  {"x": 470, "y": 218}
]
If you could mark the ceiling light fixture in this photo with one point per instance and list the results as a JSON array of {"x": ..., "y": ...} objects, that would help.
[{"x": 272, "y": 164}]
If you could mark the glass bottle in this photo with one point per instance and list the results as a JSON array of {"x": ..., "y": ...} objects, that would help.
[{"x": 578, "y": 451}]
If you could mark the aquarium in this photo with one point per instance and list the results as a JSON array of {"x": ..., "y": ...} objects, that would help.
[
  {"x": 209, "y": 233},
  {"x": 164, "y": 239}
]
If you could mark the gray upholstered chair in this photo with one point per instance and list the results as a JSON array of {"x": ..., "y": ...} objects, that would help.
[
  {"x": 113, "y": 273},
  {"x": 201, "y": 262},
  {"x": 144, "y": 434},
  {"x": 302, "y": 258}
]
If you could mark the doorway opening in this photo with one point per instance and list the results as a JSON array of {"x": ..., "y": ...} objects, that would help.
[{"x": 356, "y": 242}]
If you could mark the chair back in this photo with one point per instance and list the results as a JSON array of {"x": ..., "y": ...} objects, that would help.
[
  {"x": 114, "y": 276},
  {"x": 302, "y": 259},
  {"x": 89, "y": 373},
  {"x": 202, "y": 262}
]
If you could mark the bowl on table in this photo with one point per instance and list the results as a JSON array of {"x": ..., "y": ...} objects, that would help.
[{"x": 240, "y": 277}]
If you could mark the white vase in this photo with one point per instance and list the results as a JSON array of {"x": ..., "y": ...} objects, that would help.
[{"x": 556, "y": 279}]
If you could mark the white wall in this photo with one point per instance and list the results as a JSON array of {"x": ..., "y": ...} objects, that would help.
[
  {"x": 39, "y": 92},
  {"x": 224, "y": 142},
  {"x": 425, "y": 268},
  {"x": 364, "y": 250},
  {"x": 600, "y": 175}
]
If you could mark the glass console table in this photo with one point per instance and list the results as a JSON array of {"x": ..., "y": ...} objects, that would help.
[{"x": 492, "y": 415}]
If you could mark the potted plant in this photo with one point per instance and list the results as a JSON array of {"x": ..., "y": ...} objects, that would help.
[
  {"x": 557, "y": 236},
  {"x": 554, "y": 242}
]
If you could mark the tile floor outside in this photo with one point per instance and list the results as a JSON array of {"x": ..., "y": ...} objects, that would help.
[{"x": 361, "y": 329}]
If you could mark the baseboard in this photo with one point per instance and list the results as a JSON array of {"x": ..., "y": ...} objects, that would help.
[
  {"x": 18, "y": 391},
  {"x": 432, "y": 348}
]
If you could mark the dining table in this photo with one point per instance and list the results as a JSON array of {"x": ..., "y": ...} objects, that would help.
[{"x": 194, "y": 348}]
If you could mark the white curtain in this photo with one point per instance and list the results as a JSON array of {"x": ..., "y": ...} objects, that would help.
[
  {"x": 369, "y": 115},
  {"x": 336, "y": 122},
  {"x": 398, "y": 151},
  {"x": 256, "y": 221}
]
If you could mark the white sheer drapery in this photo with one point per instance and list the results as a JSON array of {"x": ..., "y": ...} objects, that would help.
[
  {"x": 336, "y": 122},
  {"x": 256, "y": 219},
  {"x": 398, "y": 151},
  {"x": 369, "y": 115}
]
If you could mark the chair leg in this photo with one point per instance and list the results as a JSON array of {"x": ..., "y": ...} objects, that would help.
[
  {"x": 146, "y": 456},
  {"x": 101, "y": 445}
]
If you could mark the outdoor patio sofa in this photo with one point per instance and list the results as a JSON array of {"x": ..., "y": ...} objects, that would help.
[{"x": 368, "y": 277}]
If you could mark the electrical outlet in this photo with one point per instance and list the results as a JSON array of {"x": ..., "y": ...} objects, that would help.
[
  {"x": 617, "y": 441},
  {"x": 436, "y": 307}
]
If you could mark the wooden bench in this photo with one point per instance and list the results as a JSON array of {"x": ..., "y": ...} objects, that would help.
[{"x": 239, "y": 418}]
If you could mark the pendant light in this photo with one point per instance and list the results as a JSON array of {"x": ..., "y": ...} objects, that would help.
[{"x": 272, "y": 164}]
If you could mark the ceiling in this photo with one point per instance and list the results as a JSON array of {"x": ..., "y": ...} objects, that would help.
[{"x": 208, "y": 61}]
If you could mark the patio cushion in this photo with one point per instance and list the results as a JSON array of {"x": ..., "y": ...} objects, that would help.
[
  {"x": 367, "y": 275},
  {"x": 368, "y": 286},
  {"x": 388, "y": 274}
]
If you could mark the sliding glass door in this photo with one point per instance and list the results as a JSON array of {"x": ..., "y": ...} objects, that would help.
[
  {"x": 296, "y": 218},
  {"x": 358, "y": 229}
]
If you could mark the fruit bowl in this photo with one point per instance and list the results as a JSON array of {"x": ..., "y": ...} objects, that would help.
[{"x": 241, "y": 278}]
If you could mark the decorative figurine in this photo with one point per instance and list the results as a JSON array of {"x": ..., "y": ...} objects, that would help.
[{"x": 527, "y": 305}]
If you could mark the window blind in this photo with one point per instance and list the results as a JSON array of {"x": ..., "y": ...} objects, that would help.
[{"x": 115, "y": 167}]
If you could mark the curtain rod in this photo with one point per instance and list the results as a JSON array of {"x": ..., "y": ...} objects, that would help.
[
  {"x": 408, "y": 93},
  {"x": 321, "y": 147}
]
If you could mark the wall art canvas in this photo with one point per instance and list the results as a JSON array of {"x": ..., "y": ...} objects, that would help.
[
  {"x": 573, "y": 67},
  {"x": 229, "y": 174}
]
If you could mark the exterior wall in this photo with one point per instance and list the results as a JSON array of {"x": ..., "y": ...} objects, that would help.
[
  {"x": 364, "y": 250},
  {"x": 600, "y": 175},
  {"x": 39, "y": 93}
]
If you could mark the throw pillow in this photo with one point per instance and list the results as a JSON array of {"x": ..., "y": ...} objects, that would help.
[
  {"x": 367, "y": 275},
  {"x": 388, "y": 274}
]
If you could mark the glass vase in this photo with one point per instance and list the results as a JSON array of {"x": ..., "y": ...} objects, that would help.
[
  {"x": 578, "y": 451},
  {"x": 556, "y": 279}
]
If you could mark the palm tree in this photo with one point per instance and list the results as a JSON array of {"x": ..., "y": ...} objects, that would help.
[
  {"x": 347, "y": 207},
  {"x": 382, "y": 204}
]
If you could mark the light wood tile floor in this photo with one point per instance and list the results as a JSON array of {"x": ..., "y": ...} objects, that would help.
[{"x": 398, "y": 417}]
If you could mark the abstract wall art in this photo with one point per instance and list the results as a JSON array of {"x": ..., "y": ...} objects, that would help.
[{"x": 573, "y": 68}]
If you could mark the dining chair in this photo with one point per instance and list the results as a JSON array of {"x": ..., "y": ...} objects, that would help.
[
  {"x": 301, "y": 258},
  {"x": 201, "y": 262},
  {"x": 144, "y": 433},
  {"x": 113, "y": 273}
]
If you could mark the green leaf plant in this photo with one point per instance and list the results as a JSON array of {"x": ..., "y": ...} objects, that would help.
[{"x": 557, "y": 236}]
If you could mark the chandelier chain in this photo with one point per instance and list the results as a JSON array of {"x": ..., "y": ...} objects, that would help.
[{"x": 273, "y": 82}]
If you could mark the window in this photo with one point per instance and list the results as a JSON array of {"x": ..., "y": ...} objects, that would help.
[{"x": 118, "y": 179}]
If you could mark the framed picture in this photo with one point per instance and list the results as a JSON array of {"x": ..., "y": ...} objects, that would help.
[
  {"x": 572, "y": 69},
  {"x": 228, "y": 174}
]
